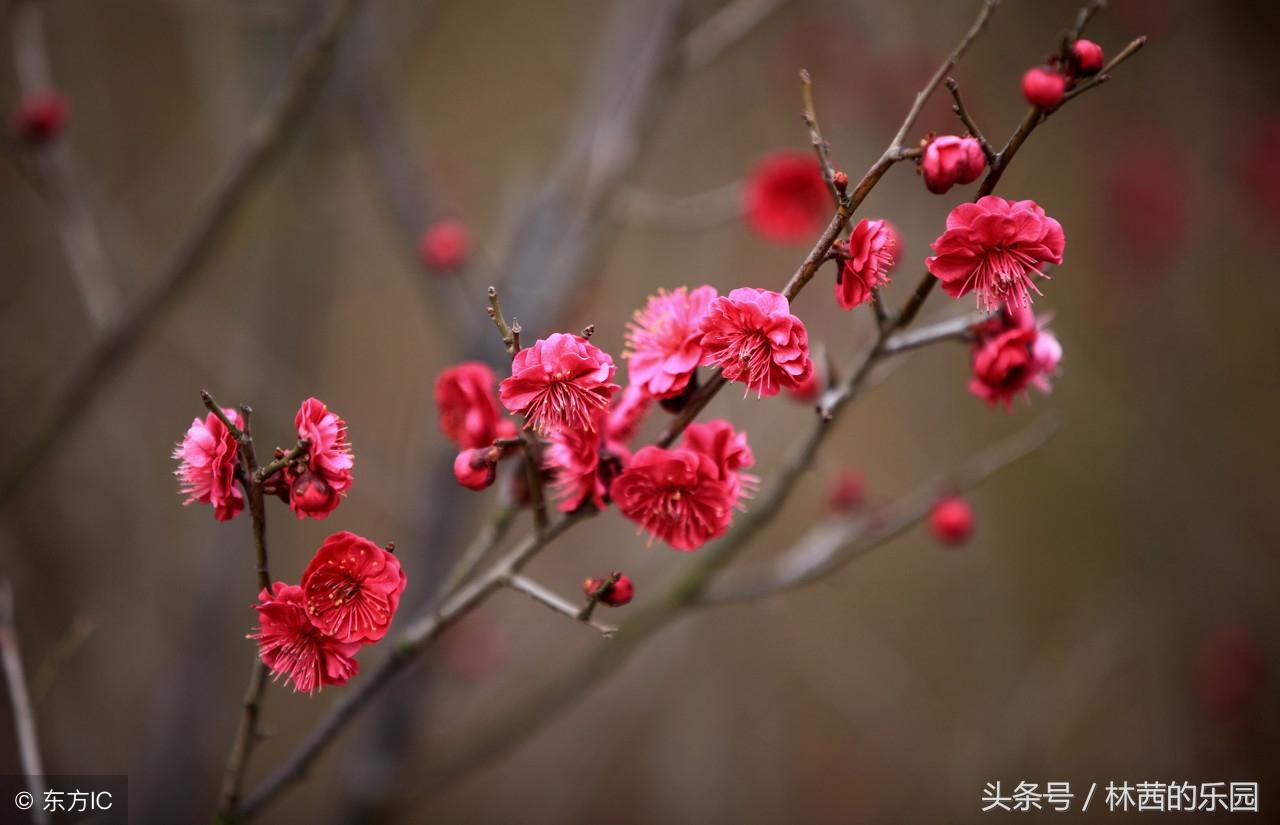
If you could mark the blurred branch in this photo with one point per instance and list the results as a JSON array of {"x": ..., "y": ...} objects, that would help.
[
  {"x": 827, "y": 547},
  {"x": 952, "y": 329},
  {"x": 24, "y": 719},
  {"x": 734, "y": 20},
  {"x": 535, "y": 591},
  {"x": 684, "y": 213},
  {"x": 54, "y": 174},
  {"x": 266, "y": 133},
  {"x": 64, "y": 650}
]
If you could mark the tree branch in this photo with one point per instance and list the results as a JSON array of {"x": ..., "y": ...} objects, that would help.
[
  {"x": 535, "y": 591},
  {"x": 24, "y": 719},
  {"x": 55, "y": 175},
  {"x": 962, "y": 112}
]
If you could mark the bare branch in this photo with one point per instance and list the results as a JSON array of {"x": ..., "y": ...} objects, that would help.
[
  {"x": 962, "y": 112},
  {"x": 727, "y": 26},
  {"x": 535, "y": 591},
  {"x": 54, "y": 173},
  {"x": 24, "y": 719},
  {"x": 952, "y": 329}
]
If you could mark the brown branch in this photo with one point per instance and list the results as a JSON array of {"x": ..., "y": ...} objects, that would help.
[
  {"x": 24, "y": 719},
  {"x": 821, "y": 147},
  {"x": 828, "y": 547},
  {"x": 265, "y": 135},
  {"x": 54, "y": 174},
  {"x": 266, "y": 471},
  {"x": 962, "y": 112},
  {"x": 534, "y": 590},
  {"x": 247, "y": 734},
  {"x": 952, "y": 329}
]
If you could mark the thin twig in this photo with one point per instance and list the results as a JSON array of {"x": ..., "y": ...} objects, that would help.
[
  {"x": 1103, "y": 76},
  {"x": 490, "y": 535},
  {"x": 727, "y": 26},
  {"x": 601, "y": 590},
  {"x": 500, "y": 321},
  {"x": 952, "y": 329},
  {"x": 821, "y": 147},
  {"x": 24, "y": 719},
  {"x": 534, "y": 590},
  {"x": 56, "y": 176},
  {"x": 266, "y": 471},
  {"x": 962, "y": 112},
  {"x": 265, "y": 134}
]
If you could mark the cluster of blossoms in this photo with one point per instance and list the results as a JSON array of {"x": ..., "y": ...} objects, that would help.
[
  {"x": 309, "y": 633},
  {"x": 313, "y": 483},
  {"x": 580, "y": 424},
  {"x": 1045, "y": 86}
]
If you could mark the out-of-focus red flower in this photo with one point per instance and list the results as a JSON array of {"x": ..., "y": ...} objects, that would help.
[
  {"x": 951, "y": 521},
  {"x": 1149, "y": 204},
  {"x": 992, "y": 246},
  {"x": 352, "y": 588},
  {"x": 846, "y": 491},
  {"x": 664, "y": 341},
  {"x": 1259, "y": 172},
  {"x": 469, "y": 414},
  {"x": 786, "y": 200},
  {"x": 873, "y": 251},
  {"x": 445, "y": 245},
  {"x": 42, "y": 117},
  {"x": 754, "y": 339},
  {"x": 678, "y": 496},
  {"x": 560, "y": 381},
  {"x": 1229, "y": 672},
  {"x": 950, "y": 159},
  {"x": 292, "y": 647},
  {"x": 1043, "y": 87},
  {"x": 207, "y": 474}
]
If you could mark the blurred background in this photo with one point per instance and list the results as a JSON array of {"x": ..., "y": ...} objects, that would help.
[{"x": 1114, "y": 617}]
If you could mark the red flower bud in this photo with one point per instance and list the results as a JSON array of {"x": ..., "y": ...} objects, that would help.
[
  {"x": 310, "y": 495},
  {"x": 445, "y": 245},
  {"x": 951, "y": 521},
  {"x": 1043, "y": 87},
  {"x": 617, "y": 595},
  {"x": 949, "y": 160},
  {"x": 475, "y": 469},
  {"x": 42, "y": 117},
  {"x": 841, "y": 181},
  {"x": 1087, "y": 57},
  {"x": 846, "y": 491}
]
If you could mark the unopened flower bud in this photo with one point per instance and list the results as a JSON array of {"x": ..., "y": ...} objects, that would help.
[
  {"x": 475, "y": 469},
  {"x": 949, "y": 159},
  {"x": 1087, "y": 57},
  {"x": 846, "y": 491},
  {"x": 1043, "y": 87},
  {"x": 42, "y": 117},
  {"x": 841, "y": 181},
  {"x": 310, "y": 495},
  {"x": 618, "y": 594},
  {"x": 951, "y": 521},
  {"x": 445, "y": 245}
]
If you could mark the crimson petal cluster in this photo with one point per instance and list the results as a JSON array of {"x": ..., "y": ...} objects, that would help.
[{"x": 310, "y": 633}]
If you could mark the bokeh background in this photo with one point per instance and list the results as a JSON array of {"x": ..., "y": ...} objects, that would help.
[{"x": 1113, "y": 619}]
